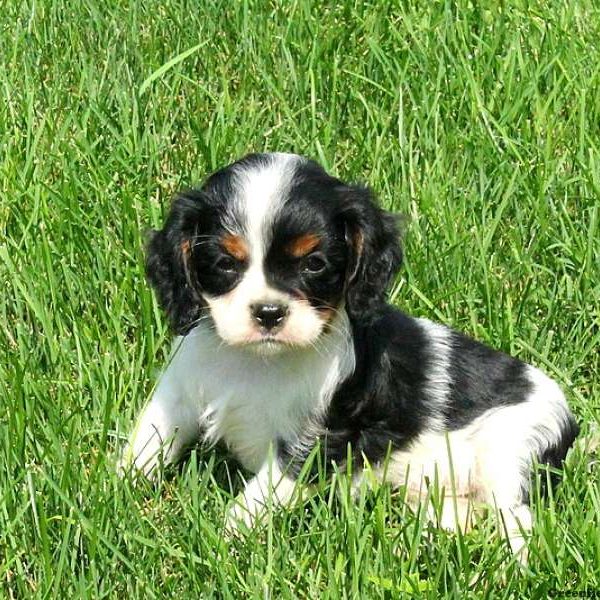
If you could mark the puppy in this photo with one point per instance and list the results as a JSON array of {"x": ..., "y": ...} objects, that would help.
[{"x": 273, "y": 275}]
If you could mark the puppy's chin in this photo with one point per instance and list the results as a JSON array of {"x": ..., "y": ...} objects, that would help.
[{"x": 270, "y": 345}]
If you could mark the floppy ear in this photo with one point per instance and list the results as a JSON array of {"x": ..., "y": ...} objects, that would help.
[
  {"x": 375, "y": 254},
  {"x": 167, "y": 262}
]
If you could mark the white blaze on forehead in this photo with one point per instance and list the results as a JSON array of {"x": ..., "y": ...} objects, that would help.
[{"x": 262, "y": 190}]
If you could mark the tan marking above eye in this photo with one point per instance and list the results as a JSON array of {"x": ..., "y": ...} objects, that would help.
[
  {"x": 236, "y": 246},
  {"x": 303, "y": 245}
]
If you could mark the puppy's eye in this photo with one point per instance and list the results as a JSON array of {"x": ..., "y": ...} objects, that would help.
[
  {"x": 227, "y": 264},
  {"x": 314, "y": 263}
]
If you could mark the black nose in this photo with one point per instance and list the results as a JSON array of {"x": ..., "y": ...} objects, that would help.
[{"x": 268, "y": 316}]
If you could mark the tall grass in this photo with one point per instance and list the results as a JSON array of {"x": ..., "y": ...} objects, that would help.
[{"x": 479, "y": 121}]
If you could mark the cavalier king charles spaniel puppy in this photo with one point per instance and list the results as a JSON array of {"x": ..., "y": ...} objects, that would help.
[{"x": 273, "y": 275}]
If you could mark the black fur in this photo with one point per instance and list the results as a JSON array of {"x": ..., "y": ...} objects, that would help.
[
  {"x": 384, "y": 405},
  {"x": 376, "y": 252},
  {"x": 360, "y": 241},
  {"x": 166, "y": 266},
  {"x": 481, "y": 379},
  {"x": 310, "y": 208},
  {"x": 196, "y": 218}
]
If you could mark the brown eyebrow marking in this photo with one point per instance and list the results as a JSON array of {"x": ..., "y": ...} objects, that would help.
[
  {"x": 236, "y": 246},
  {"x": 303, "y": 244}
]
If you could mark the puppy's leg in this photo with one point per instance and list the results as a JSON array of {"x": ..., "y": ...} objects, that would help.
[
  {"x": 517, "y": 525},
  {"x": 456, "y": 514},
  {"x": 270, "y": 487},
  {"x": 166, "y": 426},
  {"x": 169, "y": 423},
  {"x": 504, "y": 491}
]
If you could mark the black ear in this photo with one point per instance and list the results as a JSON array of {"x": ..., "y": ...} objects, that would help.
[
  {"x": 167, "y": 262},
  {"x": 373, "y": 237}
]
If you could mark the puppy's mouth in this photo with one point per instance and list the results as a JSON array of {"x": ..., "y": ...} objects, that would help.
[
  {"x": 268, "y": 338},
  {"x": 268, "y": 344}
]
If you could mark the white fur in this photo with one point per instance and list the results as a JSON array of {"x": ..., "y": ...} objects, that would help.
[
  {"x": 262, "y": 192},
  {"x": 222, "y": 391},
  {"x": 438, "y": 383}
]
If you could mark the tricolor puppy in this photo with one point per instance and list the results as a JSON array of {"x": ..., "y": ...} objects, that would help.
[{"x": 274, "y": 274}]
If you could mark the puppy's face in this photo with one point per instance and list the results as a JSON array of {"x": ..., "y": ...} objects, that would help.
[{"x": 268, "y": 249}]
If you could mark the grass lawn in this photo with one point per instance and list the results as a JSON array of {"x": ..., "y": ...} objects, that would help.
[{"x": 481, "y": 125}]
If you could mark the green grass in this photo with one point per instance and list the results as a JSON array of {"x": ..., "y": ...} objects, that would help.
[{"x": 481, "y": 123}]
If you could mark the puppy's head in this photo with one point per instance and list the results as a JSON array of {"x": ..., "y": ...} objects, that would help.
[{"x": 270, "y": 249}]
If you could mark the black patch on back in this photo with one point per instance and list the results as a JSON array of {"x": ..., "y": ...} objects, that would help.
[{"x": 481, "y": 379}]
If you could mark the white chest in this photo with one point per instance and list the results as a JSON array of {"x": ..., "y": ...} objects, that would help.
[{"x": 249, "y": 400}]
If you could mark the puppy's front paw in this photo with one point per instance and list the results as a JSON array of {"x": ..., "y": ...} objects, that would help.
[
  {"x": 243, "y": 516},
  {"x": 143, "y": 458},
  {"x": 130, "y": 466},
  {"x": 267, "y": 491}
]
